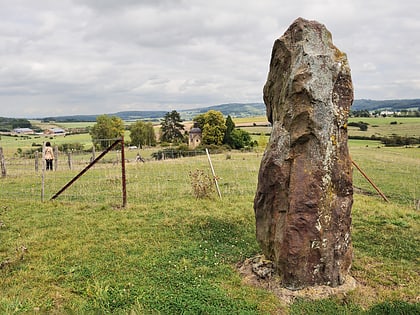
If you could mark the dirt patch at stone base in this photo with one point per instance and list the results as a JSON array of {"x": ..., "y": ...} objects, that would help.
[{"x": 259, "y": 272}]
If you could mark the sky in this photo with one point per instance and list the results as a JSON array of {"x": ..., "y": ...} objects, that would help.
[{"x": 72, "y": 57}]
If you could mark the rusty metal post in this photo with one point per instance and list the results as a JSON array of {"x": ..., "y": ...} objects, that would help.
[
  {"x": 123, "y": 180},
  {"x": 370, "y": 181}
]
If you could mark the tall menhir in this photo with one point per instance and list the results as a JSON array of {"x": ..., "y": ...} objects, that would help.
[{"x": 305, "y": 193}]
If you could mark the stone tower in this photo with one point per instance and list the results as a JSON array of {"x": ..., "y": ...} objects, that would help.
[{"x": 195, "y": 137}]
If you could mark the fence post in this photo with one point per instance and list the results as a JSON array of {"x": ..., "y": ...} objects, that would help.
[
  {"x": 124, "y": 185},
  {"x": 3, "y": 163},
  {"x": 370, "y": 181},
  {"x": 93, "y": 153},
  {"x": 36, "y": 161},
  {"x": 214, "y": 174},
  {"x": 43, "y": 173},
  {"x": 69, "y": 160},
  {"x": 55, "y": 158}
]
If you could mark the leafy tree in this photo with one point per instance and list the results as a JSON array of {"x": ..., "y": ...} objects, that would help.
[
  {"x": 142, "y": 133},
  {"x": 240, "y": 139},
  {"x": 362, "y": 125},
  {"x": 361, "y": 113},
  {"x": 213, "y": 127},
  {"x": 171, "y": 127},
  {"x": 230, "y": 126},
  {"x": 7, "y": 124},
  {"x": 106, "y": 130}
]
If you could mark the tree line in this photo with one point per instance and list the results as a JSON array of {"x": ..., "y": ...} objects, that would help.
[
  {"x": 8, "y": 124},
  {"x": 216, "y": 130}
]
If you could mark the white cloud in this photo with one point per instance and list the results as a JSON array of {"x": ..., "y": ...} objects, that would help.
[{"x": 87, "y": 56}]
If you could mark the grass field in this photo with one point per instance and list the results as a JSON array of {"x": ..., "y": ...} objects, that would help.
[
  {"x": 170, "y": 253},
  {"x": 406, "y": 127},
  {"x": 378, "y": 127}
]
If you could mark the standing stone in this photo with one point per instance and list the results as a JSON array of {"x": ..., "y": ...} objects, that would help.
[{"x": 305, "y": 194}]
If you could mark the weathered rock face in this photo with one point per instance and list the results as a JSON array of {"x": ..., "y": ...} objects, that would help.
[{"x": 305, "y": 194}]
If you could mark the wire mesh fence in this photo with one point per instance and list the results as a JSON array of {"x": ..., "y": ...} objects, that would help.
[
  {"x": 146, "y": 180},
  {"x": 166, "y": 176}
]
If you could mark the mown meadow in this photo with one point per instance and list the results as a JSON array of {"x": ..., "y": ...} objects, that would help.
[{"x": 168, "y": 252}]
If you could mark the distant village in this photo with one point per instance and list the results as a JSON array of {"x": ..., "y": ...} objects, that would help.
[
  {"x": 385, "y": 113},
  {"x": 29, "y": 131}
]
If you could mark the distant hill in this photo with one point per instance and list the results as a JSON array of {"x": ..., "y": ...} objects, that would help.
[
  {"x": 72, "y": 118},
  {"x": 233, "y": 109},
  {"x": 393, "y": 105},
  {"x": 239, "y": 110}
]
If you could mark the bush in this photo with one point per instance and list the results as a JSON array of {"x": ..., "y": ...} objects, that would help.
[
  {"x": 361, "y": 125},
  {"x": 201, "y": 184},
  {"x": 175, "y": 153},
  {"x": 395, "y": 141},
  {"x": 29, "y": 153},
  {"x": 214, "y": 149},
  {"x": 66, "y": 147}
]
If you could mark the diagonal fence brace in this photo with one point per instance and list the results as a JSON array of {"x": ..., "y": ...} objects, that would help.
[{"x": 86, "y": 169}]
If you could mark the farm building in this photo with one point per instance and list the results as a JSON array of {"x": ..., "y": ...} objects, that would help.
[
  {"x": 23, "y": 131},
  {"x": 55, "y": 131}
]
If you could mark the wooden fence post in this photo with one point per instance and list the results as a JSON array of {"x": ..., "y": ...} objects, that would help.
[
  {"x": 3, "y": 163},
  {"x": 69, "y": 160},
  {"x": 43, "y": 173},
  {"x": 36, "y": 161},
  {"x": 55, "y": 158},
  {"x": 93, "y": 154}
]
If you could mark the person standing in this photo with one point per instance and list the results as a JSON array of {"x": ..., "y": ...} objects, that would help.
[{"x": 49, "y": 156}]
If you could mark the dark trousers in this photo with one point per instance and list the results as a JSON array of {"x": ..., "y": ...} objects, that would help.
[{"x": 49, "y": 164}]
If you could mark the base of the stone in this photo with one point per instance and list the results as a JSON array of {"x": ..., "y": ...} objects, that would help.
[{"x": 259, "y": 272}]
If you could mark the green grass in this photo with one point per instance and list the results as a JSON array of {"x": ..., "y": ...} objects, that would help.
[
  {"x": 394, "y": 170},
  {"x": 381, "y": 126},
  {"x": 10, "y": 144},
  {"x": 164, "y": 257},
  {"x": 169, "y": 253}
]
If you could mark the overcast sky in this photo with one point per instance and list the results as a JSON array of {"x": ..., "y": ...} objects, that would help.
[{"x": 65, "y": 57}]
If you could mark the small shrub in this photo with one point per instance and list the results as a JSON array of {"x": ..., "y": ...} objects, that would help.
[
  {"x": 361, "y": 125},
  {"x": 67, "y": 147},
  {"x": 395, "y": 140},
  {"x": 201, "y": 184}
]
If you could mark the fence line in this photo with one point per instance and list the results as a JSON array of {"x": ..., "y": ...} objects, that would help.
[{"x": 146, "y": 182}]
